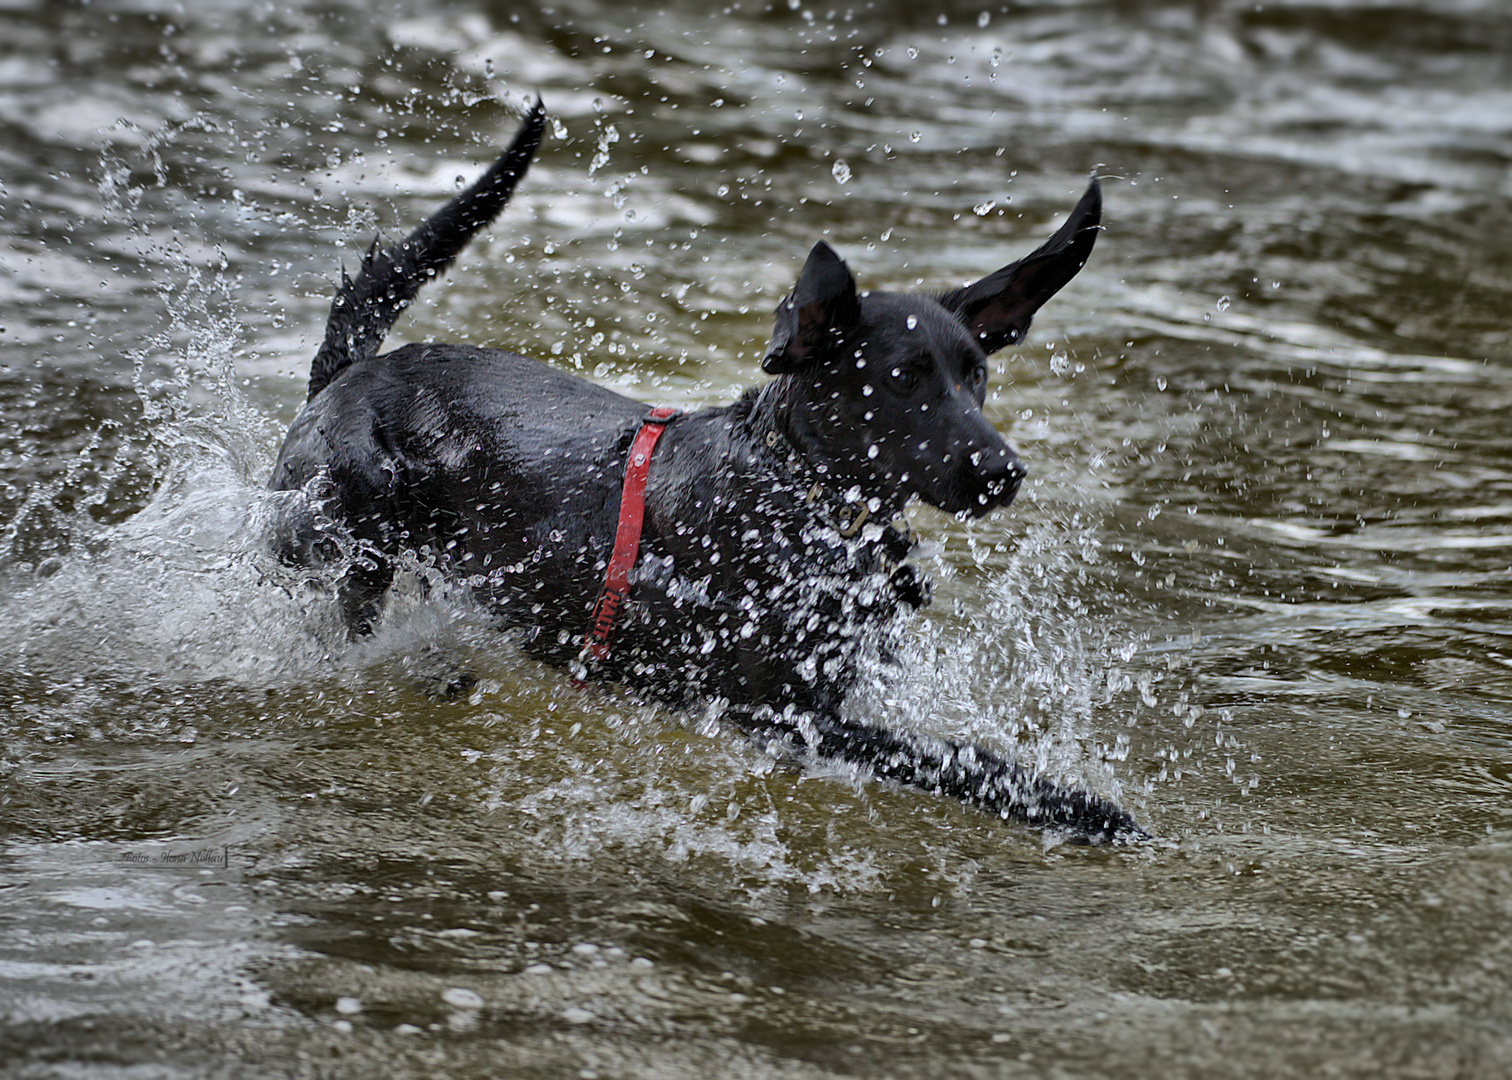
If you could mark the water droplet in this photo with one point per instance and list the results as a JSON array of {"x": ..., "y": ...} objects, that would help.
[
  {"x": 912, "y": 322},
  {"x": 983, "y": 209},
  {"x": 841, "y": 172},
  {"x": 913, "y": 53},
  {"x": 459, "y": 997},
  {"x": 1160, "y": 383},
  {"x": 983, "y": 19},
  {"x": 1223, "y": 303},
  {"x": 915, "y": 136}
]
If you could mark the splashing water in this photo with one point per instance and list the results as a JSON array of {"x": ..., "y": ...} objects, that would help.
[
  {"x": 182, "y": 586},
  {"x": 1031, "y": 671}
]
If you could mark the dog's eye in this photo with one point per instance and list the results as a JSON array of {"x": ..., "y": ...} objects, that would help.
[
  {"x": 904, "y": 378},
  {"x": 979, "y": 376}
]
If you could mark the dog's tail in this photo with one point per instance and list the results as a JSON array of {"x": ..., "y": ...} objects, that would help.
[
  {"x": 972, "y": 774},
  {"x": 365, "y": 308}
]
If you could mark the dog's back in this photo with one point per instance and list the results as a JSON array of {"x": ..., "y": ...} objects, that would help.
[{"x": 500, "y": 466}]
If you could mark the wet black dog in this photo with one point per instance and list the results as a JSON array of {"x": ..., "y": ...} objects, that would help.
[{"x": 771, "y": 557}]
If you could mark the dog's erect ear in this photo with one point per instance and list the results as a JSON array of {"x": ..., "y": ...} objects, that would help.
[
  {"x": 815, "y": 316},
  {"x": 998, "y": 308}
]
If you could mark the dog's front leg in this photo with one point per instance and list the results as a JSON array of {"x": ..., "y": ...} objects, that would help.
[{"x": 964, "y": 771}]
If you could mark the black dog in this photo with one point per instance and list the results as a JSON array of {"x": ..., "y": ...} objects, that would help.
[{"x": 768, "y": 560}]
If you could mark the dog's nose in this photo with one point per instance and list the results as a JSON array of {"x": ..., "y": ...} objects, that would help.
[{"x": 1001, "y": 477}]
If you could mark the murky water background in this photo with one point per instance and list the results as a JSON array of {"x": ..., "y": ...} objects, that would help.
[{"x": 1260, "y": 585}]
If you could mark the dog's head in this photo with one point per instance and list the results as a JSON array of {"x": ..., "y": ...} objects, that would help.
[{"x": 886, "y": 389}]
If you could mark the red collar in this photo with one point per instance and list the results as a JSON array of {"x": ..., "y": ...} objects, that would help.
[{"x": 627, "y": 536}]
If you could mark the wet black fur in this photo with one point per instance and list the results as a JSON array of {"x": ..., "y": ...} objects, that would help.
[{"x": 756, "y": 585}]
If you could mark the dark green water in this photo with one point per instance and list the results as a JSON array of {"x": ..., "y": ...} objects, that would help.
[{"x": 1259, "y": 586}]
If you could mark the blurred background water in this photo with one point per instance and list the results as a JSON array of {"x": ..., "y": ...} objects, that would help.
[{"x": 1259, "y": 586}]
